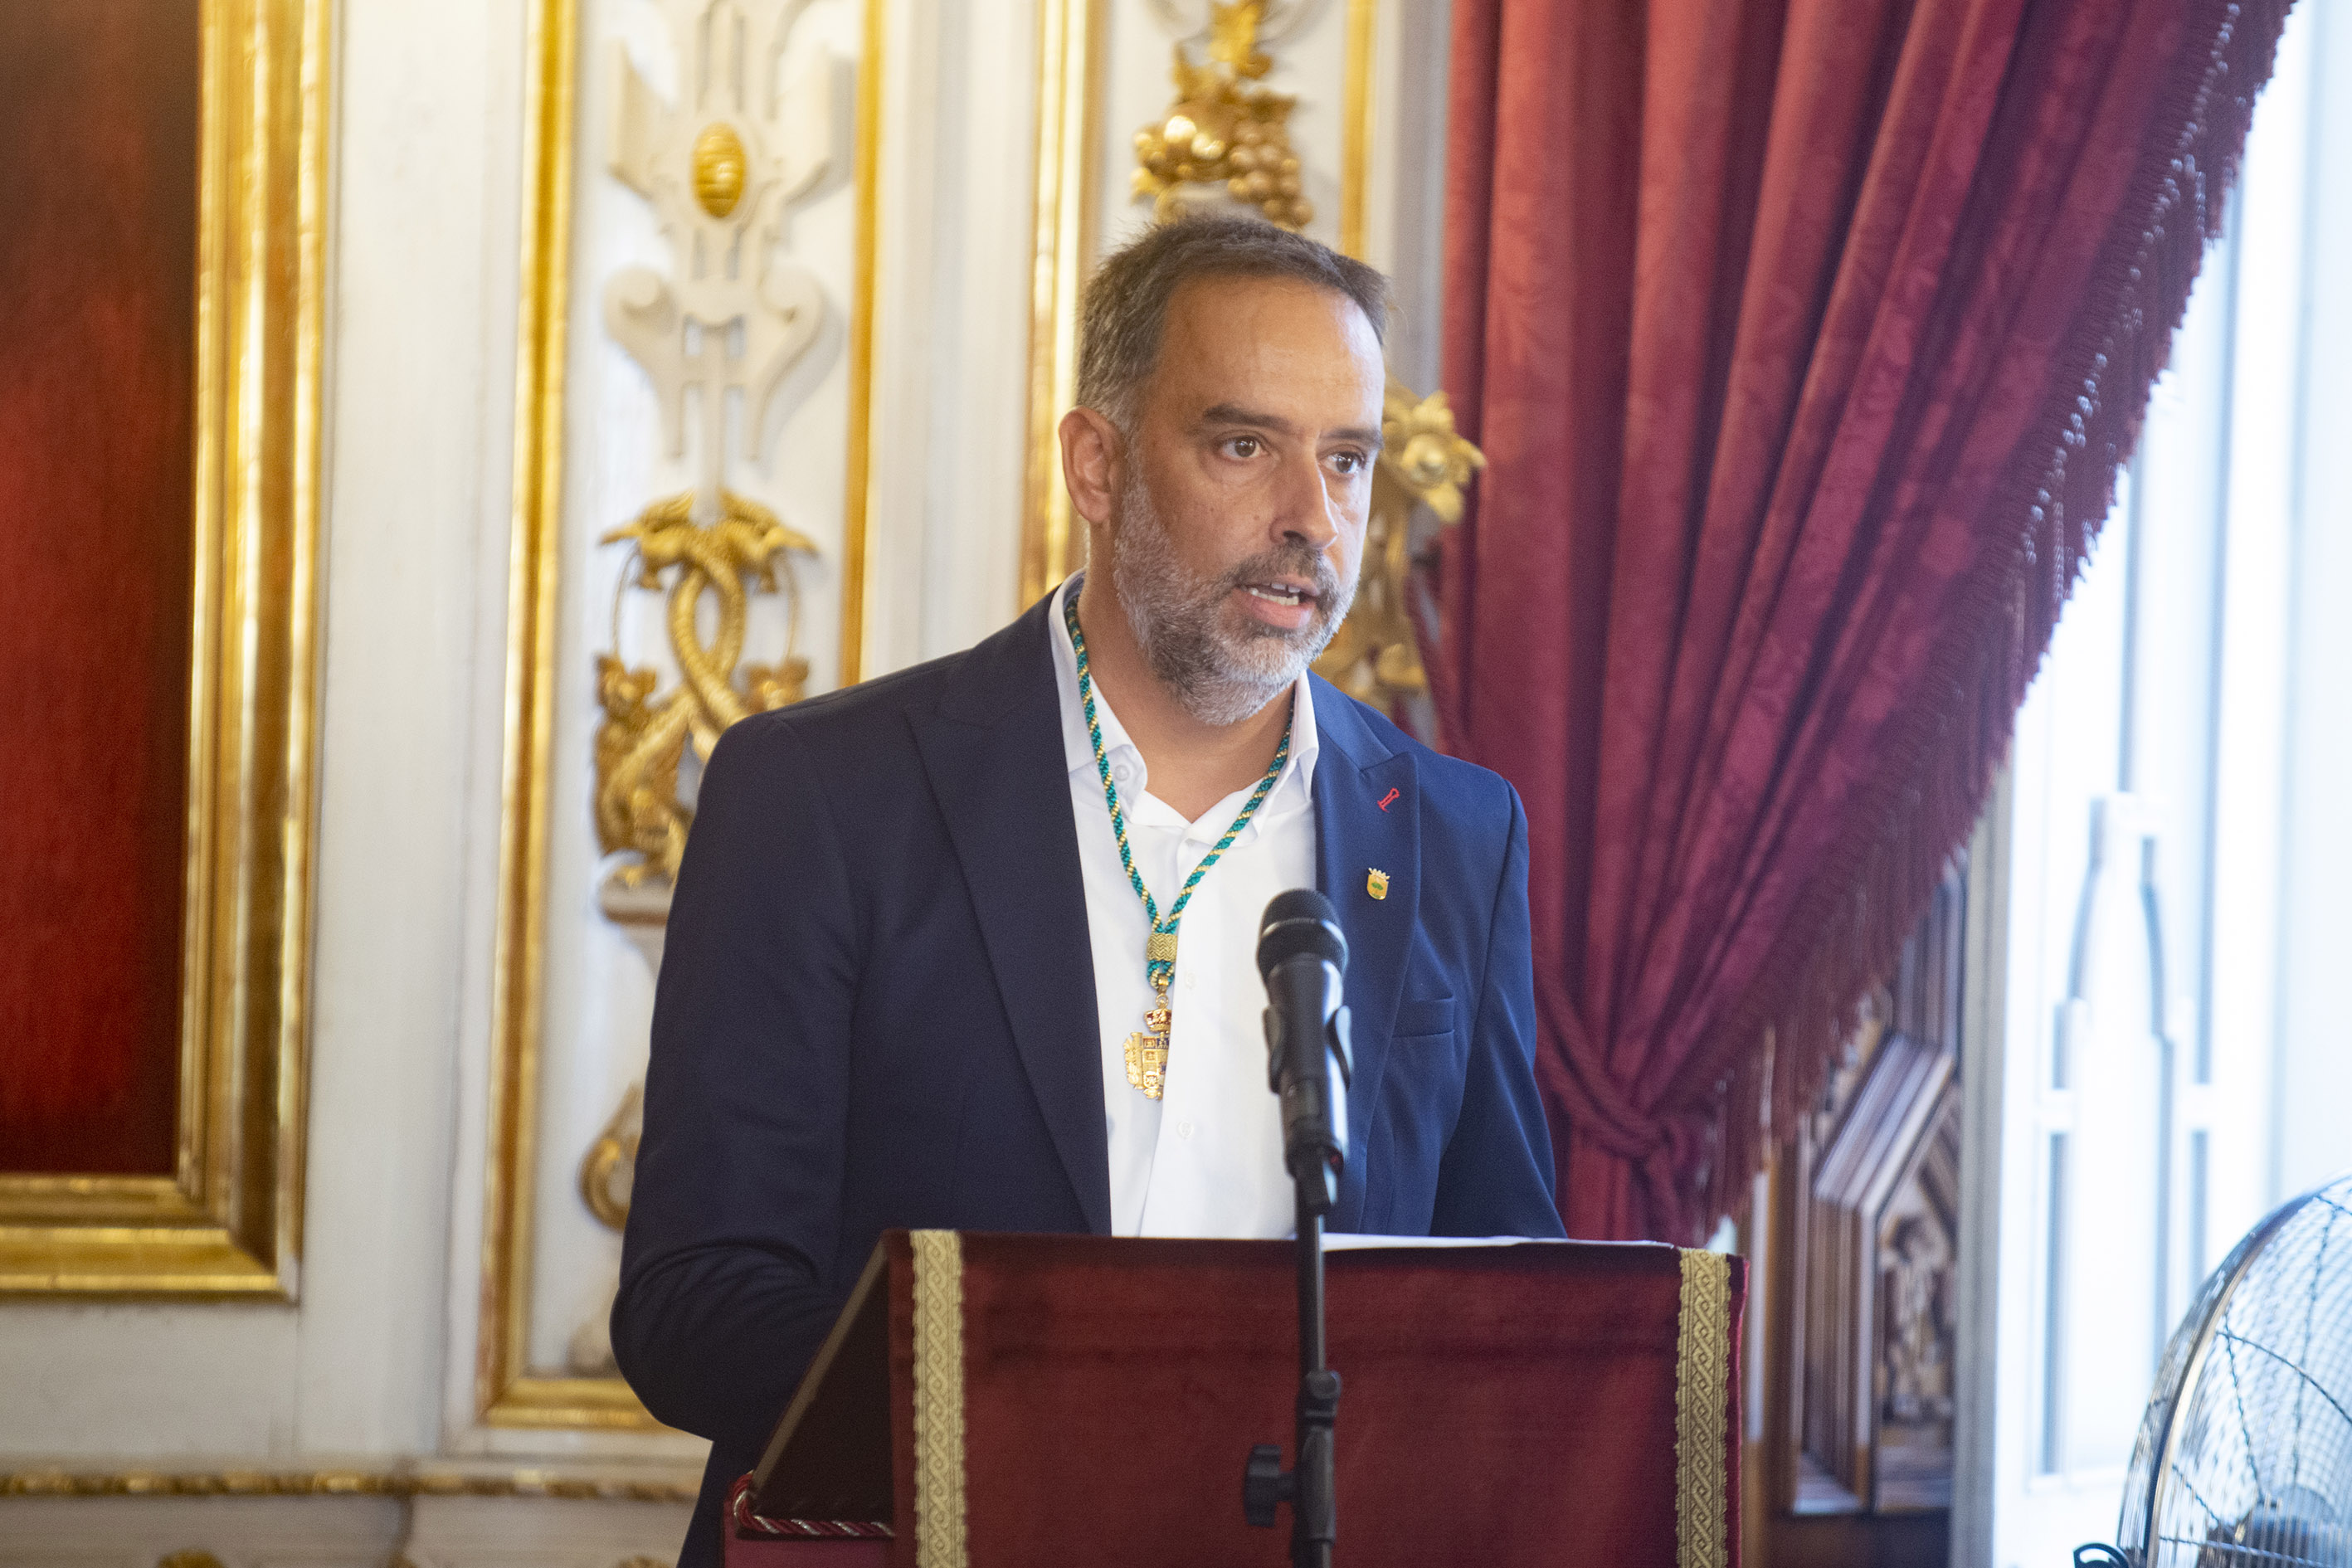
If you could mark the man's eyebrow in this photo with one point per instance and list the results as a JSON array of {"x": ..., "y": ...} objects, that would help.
[{"x": 1233, "y": 414}]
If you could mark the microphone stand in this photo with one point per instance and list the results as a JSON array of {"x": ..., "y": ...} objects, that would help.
[
  {"x": 1314, "y": 1511},
  {"x": 1312, "y": 1088}
]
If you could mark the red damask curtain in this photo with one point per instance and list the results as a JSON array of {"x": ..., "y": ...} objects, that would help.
[{"x": 1803, "y": 338}]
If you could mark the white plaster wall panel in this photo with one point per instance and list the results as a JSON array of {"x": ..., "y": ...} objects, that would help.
[
  {"x": 537, "y": 1533},
  {"x": 1404, "y": 185},
  {"x": 242, "y": 1532},
  {"x": 984, "y": 270},
  {"x": 486, "y": 727},
  {"x": 338, "y": 1532},
  {"x": 114, "y": 1379},
  {"x": 414, "y": 387},
  {"x": 914, "y": 347},
  {"x": 951, "y": 363}
]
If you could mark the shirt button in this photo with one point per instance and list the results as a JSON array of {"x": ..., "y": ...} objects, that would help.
[
  {"x": 1122, "y": 772},
  {"x": 1191, "y": 980},
  {"x": 1183, "y": 1130}
]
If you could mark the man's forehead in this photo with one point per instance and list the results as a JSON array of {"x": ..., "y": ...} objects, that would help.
[
  {"x": 1247, "y": 346},
  {"x": 1219, "y": 303}
]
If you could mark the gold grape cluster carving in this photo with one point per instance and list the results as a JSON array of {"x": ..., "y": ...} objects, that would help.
[{"x": 1222, "y": 128}]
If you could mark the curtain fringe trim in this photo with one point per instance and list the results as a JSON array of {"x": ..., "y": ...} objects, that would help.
[{"x": 1846, "y": 932}]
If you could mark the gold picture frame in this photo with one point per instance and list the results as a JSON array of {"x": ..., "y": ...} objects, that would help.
[
  {"x": 228, "y": 1221},
  {"x": 508, "y": 1391}
]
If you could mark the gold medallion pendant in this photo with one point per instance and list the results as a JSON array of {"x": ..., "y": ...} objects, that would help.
[
  {"x": 1147, "y": 1053},
  {"x": 1146, "y": 1064}
]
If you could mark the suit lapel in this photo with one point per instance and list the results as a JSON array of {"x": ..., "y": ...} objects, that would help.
[
  {"x": 1355, "y": 835},
  {"x": 993, "y": 755}
]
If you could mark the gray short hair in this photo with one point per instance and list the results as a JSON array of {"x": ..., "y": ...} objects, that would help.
[{"x": 1125, "y": 304}]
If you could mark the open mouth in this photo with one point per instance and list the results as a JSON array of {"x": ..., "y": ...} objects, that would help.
[{"x": 1287, "y": 595}]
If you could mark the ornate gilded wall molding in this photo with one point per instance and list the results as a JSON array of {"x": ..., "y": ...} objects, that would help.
[
  {"x": 405, "y": 1481},
  {"x": 227, "y": 1221},
  {"x": 1376, "y": 657},
  {"x": 1222, "y": 129},
  {"x": 1356, "y": 124},
  {"x": 640, "y": 814},
  {"x": 722, "y": 168},
  {"x": 730, "y": 186}
]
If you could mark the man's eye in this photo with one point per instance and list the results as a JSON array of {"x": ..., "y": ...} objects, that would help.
[
  {"x": 1242, "y": 447},
  {"x": 1350, "y": 463}
]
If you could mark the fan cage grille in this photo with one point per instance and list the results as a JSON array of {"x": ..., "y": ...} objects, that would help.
[{"x": 2245, "y": 1459}]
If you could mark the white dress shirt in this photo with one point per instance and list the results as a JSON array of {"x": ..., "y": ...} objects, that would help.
[{"x": 1206, "y": 1158}]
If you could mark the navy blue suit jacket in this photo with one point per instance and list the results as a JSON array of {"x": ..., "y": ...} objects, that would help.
[{"x": 877, "y": 1008}]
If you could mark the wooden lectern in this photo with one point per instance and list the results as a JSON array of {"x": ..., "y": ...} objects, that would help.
[{"x": 1015, "y": 1401}]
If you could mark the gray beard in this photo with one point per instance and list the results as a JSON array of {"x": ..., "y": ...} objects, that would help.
[{"x": 1177, "y": 616}]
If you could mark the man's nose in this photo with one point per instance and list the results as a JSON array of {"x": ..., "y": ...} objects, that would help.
[{"x": 1306, "y": 509}]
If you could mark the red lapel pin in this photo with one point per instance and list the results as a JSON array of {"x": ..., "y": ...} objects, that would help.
[{"x": 1388, "y": 799}]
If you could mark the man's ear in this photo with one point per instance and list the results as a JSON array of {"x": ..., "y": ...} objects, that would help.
[{"x": 1092, "y": 452}]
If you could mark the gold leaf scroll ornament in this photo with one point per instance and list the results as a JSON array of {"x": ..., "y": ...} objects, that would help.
[
  {"x": 609, "y": 1173},
  {"x": 1222, "y": 130},
  {"x": 643, "y": 736},
  {"x": 1376, "y": 657}
]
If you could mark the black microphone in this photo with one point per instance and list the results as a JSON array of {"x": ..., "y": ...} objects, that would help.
[{"x": 1302, "y": 955}]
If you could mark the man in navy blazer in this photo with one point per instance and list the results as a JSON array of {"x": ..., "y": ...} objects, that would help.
[{"x": 879, "y": 1001}]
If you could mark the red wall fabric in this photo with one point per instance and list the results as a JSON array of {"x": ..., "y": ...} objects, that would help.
[
  {"x": 99, "y": 105},
  {"x": 1803, "y": 338}
]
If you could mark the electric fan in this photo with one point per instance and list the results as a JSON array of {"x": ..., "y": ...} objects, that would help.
[{"x": 2245, "y": 1459}]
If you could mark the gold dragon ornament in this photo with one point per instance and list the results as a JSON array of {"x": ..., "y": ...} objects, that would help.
[
  {"x": 645, "y": 730},
  {"x": 1375, "y": 658},
  {"x": 1219, "y": 129}
]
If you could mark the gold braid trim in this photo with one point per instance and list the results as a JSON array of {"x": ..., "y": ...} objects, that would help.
[
  {"x": 938, "y": 1400},
  {"x": 1702, "y": 1374},
  {"x": 344, "y": 1483}
]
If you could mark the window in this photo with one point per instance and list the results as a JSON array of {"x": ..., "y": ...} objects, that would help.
[{"x": 2161, "y": 1047}]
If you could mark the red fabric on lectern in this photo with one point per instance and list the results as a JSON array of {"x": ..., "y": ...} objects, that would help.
[
  {"x": 1803, "y": 338},
  {"x": 97, "y": 261},
  {"x": 1534, "y": 1386},
  {"x": 751, "y": 1551}
]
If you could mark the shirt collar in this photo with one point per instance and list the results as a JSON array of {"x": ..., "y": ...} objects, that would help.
[{"x": 1295, "y": 785}]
